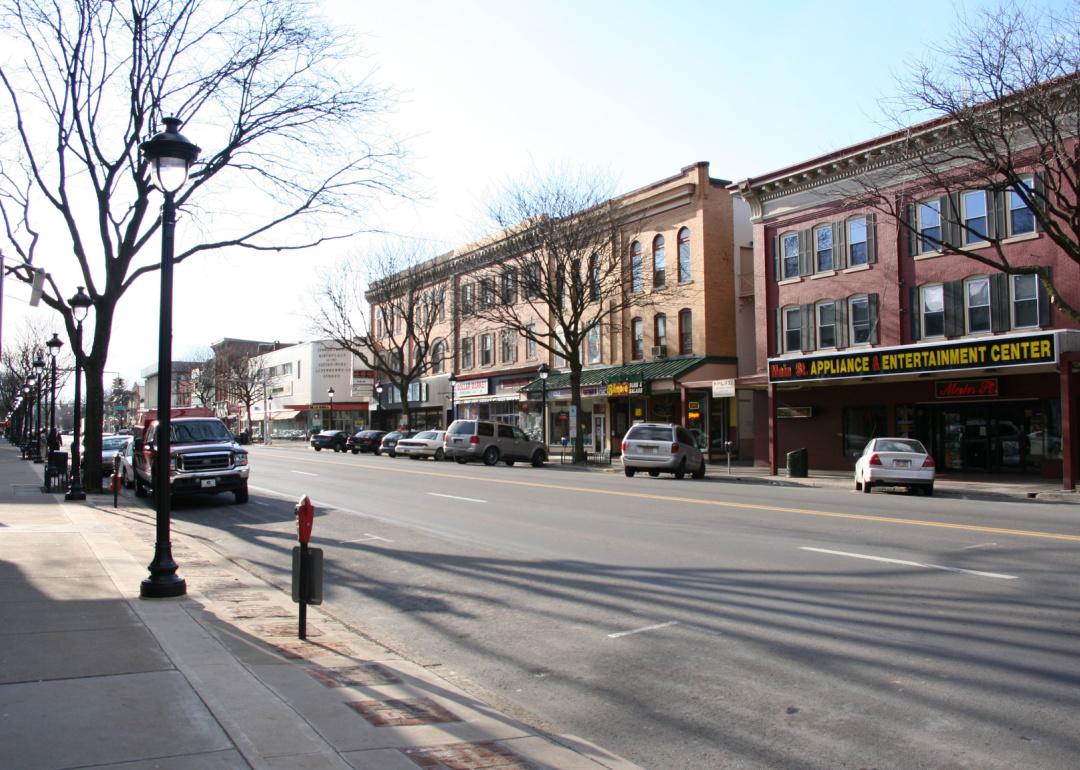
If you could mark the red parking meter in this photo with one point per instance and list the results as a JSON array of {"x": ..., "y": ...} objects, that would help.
[{"x": 305, "y": 517}]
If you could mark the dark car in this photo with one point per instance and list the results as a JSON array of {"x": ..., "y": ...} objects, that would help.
[
  {"x": 329, "y": 439},
  {"x": 365, "y": 441},
  {"x": 389, "y": 442}
]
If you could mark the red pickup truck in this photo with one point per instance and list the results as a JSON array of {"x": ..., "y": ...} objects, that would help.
[{"x": 204, "y": 457}]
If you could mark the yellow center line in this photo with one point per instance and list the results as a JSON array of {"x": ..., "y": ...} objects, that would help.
[{"x": 721, "y": 503}]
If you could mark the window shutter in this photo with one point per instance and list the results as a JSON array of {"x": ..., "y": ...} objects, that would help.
[
  {"x": 839, "y": 245},
  {"x": 915, "y": 308},
  {"x": 806, "y": 252},
  {"x": 995, "y": 213},
  {"x": 953, "y": 298},
  {"x": 1044, "y": 303},
  {"x": 1039, "y": 185},
  {"x": 952, "y": 227},
  {"x": 872, "y": 313},
  {"x": 806, "y": 318},
  {"x": 871, "y": 238},
  {"x": 999, "y": 302},
  {"x": 841, "y": 322},
  {"x": 777, "y": 275},
  {"x": 909, "y": 226},
  {"x": 778, "y": 331}
]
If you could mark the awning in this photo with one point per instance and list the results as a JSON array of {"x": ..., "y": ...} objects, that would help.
[{"x": 643, "y": 371}]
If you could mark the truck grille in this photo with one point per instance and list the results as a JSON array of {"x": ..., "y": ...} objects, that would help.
[{"x": 218, "y": 461}]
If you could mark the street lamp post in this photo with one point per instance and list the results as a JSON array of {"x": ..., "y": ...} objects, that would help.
[
  {"x": 27, "y": 423},
  {"x": 543, "y": 371},
  {"x": 39, "y": 375},
  {"x": 452, "y": 379},
  {"x": 330, "y": 419},
  {"x": 378, "y": 397},
  {"x": 80, "y": 306},
  {"x": 54, "y": 346},
  {"x": 170, "y": 156}
]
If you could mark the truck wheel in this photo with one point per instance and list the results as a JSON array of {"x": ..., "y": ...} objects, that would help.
[
  {"x": 241, "y": 494},
  {"x": 491, "y": 456},
  {"x": 140, "y": 487},
  {"x": 318, "y": 449}
]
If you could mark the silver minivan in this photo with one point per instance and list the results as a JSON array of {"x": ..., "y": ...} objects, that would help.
[
  {"x": 661, "y": 447},
  {"x": 491, "y": 442}
]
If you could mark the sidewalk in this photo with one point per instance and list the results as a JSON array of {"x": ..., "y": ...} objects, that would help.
[{"x": 91, "y": 675}]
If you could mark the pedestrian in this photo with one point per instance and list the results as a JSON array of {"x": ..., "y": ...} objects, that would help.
[{"x": 55, "y": 441}]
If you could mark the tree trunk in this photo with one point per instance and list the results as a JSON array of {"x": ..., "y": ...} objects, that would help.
[
  {"x": 575, "y": 400},
  {"x": 91, "y": 425},
  {"x": 405, "y": 415}
]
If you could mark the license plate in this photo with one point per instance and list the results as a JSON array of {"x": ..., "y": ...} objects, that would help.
[
  {"x": 206, "y": 483},
  {"x": 901, "y": 463},
  {"x": 649, "y": 450}
]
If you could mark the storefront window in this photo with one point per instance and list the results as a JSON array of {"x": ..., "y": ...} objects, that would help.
[{"x": 862, "y": 423}]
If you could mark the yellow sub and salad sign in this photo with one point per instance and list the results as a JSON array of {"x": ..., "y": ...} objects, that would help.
[{"x": 991, "y": 352}]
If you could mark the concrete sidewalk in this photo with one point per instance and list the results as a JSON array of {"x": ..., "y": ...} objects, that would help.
[{"x": 93, "y": 676}]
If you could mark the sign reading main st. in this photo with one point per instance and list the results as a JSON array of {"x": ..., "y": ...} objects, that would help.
[{"x": 977, "y": 354}]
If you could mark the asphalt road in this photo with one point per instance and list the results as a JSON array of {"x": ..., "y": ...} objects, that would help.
[{"x": 699, "y": 624}]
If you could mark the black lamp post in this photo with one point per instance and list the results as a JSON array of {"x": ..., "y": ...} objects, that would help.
[
  {"x": 54, "y": 346},
  {"x": 39, "y": 375},
  {"x": 27, "y": 423},
  {"x": 543, "y": 371},
  {"x": 452, "y": 379},
  {"x": 330, "y": 419},
  {"x": 170, "y": 156},
  {"x": 80, "y": 306}
]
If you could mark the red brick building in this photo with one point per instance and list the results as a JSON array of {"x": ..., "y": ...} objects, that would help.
[{"x": 866, "y": 328}]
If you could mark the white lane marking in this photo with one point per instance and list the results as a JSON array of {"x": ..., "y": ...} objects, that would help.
[
  {"x": 265, "y": 505},
  {"x": 646, "y": 628},
  {"x": 455, "y": 497},
  {"x": 912, "y": 563},
  {"x": 365, "y": 539},
  {"x": 979, "y": 545},
  {"x": 305, "y": 473}
]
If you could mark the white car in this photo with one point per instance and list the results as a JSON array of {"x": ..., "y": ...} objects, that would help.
[
  {"x": 895, "y": 462},
  {"x": 428, "y": 443}
]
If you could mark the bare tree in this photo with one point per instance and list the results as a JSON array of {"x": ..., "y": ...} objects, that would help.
[
  {"x": 388, "y": 308},
  {"x": 291, "y": 145},
  {"x": 555, "y": 276},
  {"x": 204, "y": 378},
  {"x": 241, "y": 380},
  {"x": 1004, "y": 101}
]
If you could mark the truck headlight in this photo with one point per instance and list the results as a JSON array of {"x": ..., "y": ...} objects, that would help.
[
  {"x": 240, "y": 458},
  {"x": 172, "y": 463}
]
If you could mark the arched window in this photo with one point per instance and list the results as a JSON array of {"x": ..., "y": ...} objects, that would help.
[
  {"x": 637, "y": 342},
  {"x": 686, "y": 331},
  {"x": 659, "y": 259},
  {"x": 684, "y": 255},
  {"x": 660, "y": 330},
  {"x": 637, "y": 271},
  {"x": 438, "y": 353}
]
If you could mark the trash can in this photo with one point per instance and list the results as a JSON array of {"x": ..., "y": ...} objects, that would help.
[{"x": 798, "y": 463}]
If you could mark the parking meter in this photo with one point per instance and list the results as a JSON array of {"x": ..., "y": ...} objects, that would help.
[
  {"x": 728, "y": 447},
  {"x": 305, "y": 517}
]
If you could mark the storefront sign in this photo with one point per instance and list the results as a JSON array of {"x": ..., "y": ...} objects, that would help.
[
  {"x": 615, "y": 389},
  {"x": 790, "y": 412},
  {"x": 723, "y": 388},
  {"x": 966, "y": 388},
  {"x": 362, "y": 383},
  {"x": 1008, "y": 351},
  {"x": 512, "y": 384},
  {"x": 471, "y": 388}
]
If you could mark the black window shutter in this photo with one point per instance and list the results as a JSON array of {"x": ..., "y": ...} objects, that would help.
[
  {"x": 1039, "y": 186},
  {"x": 953, "y": 297},
  {"x": 999, "y": 302},
  {"x": 778, "y": 331},
  {"x": 806, "y": 318},
  {"x": 776, "y": 267},
  {"x": 841, "y": 319},
  {"x": 954, "y": 238},
  {"x": 945, "y": 215},
  {"x": 839, "y": 245},
  {"x": 909, "y": 226},
  {"x": 915, "y": 308},
  {"x": 997, "y": 225},
  {"x": 871, "y": 238},
  {"x": 872, "y": 313},
  {"x": 806, "y": 252},
  {"x": 1044, "y": 303}
]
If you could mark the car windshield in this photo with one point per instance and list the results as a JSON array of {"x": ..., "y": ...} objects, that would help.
[
  {"x": 328, "y": 433},
  {"x": 899, "y": 445},
  {"x": 650, "y": 433},
  {"x": 113, "y": 444},
  {"x": 394, "y": 435},
  {"x": 198, "y": 431},
  {"x": 463, "y": 428}
]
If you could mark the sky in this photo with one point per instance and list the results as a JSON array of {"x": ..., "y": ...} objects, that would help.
[{"x": 489, "y": 91}]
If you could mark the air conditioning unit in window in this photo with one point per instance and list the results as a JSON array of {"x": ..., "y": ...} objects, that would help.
[{"x": 659, "y": 351}]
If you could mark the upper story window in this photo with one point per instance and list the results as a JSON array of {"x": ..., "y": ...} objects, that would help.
[
  {"x": 467, "y": 296},
  {"x": 686, "y": 331},
  {"x": 861, "y": 321},
  {"x": 1025, "y": 301},
  {"x": 487, "y": 292},
  {"x": 593, "y": 349},
  {"x": 532, "y": 280},
  {"x": 487, "y": 350},
  {"x": 823, "y": 248},
  {"x": 928, "y": 225},
  {"x": 637, "y": 339},
  {"x": 637, "y": 270},
  {"x": 685, "y": 273},
  {"x": 466, "y": 353},
  {"x": 858, "y": 254},
  {"x": 1020, "y": 217},
  {"x": 789, "y": 248},
  {"x": 438, "y": 356},
  {"x": 826, "y": 324},
  {"x": 508, "y": 345},
  {"x": 509, "y": 287},
  {"x": 530, "y": 342},
  {"x": 792, "y": 318},
  {"x": 932, "y": 310},
  {"x": 660, "y": 329},
  {"x": 659, "y": 260},
  {"x": 973, "y": 216},
  {"x": 977, "y": 304},
  {"x": 594, "y": 278}
]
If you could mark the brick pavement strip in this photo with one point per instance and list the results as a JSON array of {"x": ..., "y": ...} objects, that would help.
[
  {"x": 303, "y": 650},
  {"x": 401, "y": 712},
  {"x": 363, "y": 675},
  {"x": 468, "y": 756}
]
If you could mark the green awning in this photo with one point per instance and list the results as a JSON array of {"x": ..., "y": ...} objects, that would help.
[{"x": 644, "y": 371}]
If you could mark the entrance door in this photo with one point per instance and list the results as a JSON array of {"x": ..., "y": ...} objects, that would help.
[{"x": 599, "y": 433}]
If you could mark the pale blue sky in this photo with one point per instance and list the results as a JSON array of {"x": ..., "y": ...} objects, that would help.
[{"x": 489, "y": 90}]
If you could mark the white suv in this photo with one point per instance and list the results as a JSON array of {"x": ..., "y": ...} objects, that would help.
[{"x": 491, "y": 442}]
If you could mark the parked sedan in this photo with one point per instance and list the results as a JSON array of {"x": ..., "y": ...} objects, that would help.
[
  {"x": 895, "y": 462},
  {"x": 389, "y": 442},
  {"x": 127, "y": 468},
  {"x": 329, "y": 439},
  {"x": 365, "y": 441},
  {"x": 111, "y": 445},
  {"x": 428, "y": 443},
  {"x": 658, "y": 447}
]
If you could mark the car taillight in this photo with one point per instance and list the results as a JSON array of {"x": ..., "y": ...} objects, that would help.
[
  {"x": 928, "y": 462},
  {"x": 875, "y": 460},
  {"x": 624, "y": 446},
  {"x": 474, "y": 439},
  {"x": 674, "y": 447}
]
